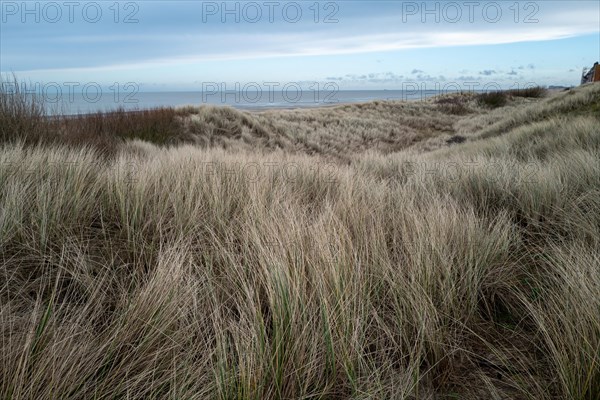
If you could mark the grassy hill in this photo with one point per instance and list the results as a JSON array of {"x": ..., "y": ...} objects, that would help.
[{"x": 448, "y": 248}]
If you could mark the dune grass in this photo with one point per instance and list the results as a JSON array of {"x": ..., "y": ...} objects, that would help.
[{"x": 287, "y": 255}]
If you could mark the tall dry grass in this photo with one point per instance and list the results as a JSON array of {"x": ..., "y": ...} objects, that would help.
[{"x": 222, "y": 270}]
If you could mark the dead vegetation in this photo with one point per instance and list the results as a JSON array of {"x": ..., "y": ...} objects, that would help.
[{"x": 323, "y": 253}]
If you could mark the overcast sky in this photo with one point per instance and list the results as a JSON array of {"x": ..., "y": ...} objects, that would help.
[{"x": 177, "y": 45}]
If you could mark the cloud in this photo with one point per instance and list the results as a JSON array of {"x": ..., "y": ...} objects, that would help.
[
  {"x": 513, "y": 73},
  {"x": 488, "y": 72},
  {"x": 193, "y": 49},
  {"x": 372, "y": 77},
  {"x": 417, "y": 71},
  {"x": 158, "y": 41},
  {"x": 529, "y": 66},
  {"x": 430, "y": 78}
]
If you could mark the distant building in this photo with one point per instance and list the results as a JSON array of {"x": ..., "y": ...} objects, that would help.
[{"x": 591, "y": 75}]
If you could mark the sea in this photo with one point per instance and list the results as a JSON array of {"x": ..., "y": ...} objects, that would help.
[{"x": 85, "y": 103}]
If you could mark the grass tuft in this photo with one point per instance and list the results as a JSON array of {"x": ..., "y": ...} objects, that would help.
[{"x": 346, "y": 252}]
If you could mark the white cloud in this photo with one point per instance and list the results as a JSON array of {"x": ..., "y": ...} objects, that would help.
[{"x": 377, "y": 34}]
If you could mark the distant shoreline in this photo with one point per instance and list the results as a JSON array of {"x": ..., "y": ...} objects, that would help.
[
  {"x": 308, "y": 100},
  {"x": 368, "y": 97},
  {"x": 246, "y": 109}
]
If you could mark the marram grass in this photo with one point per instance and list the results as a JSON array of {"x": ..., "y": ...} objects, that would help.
[{"x": 290, "y": 267}]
